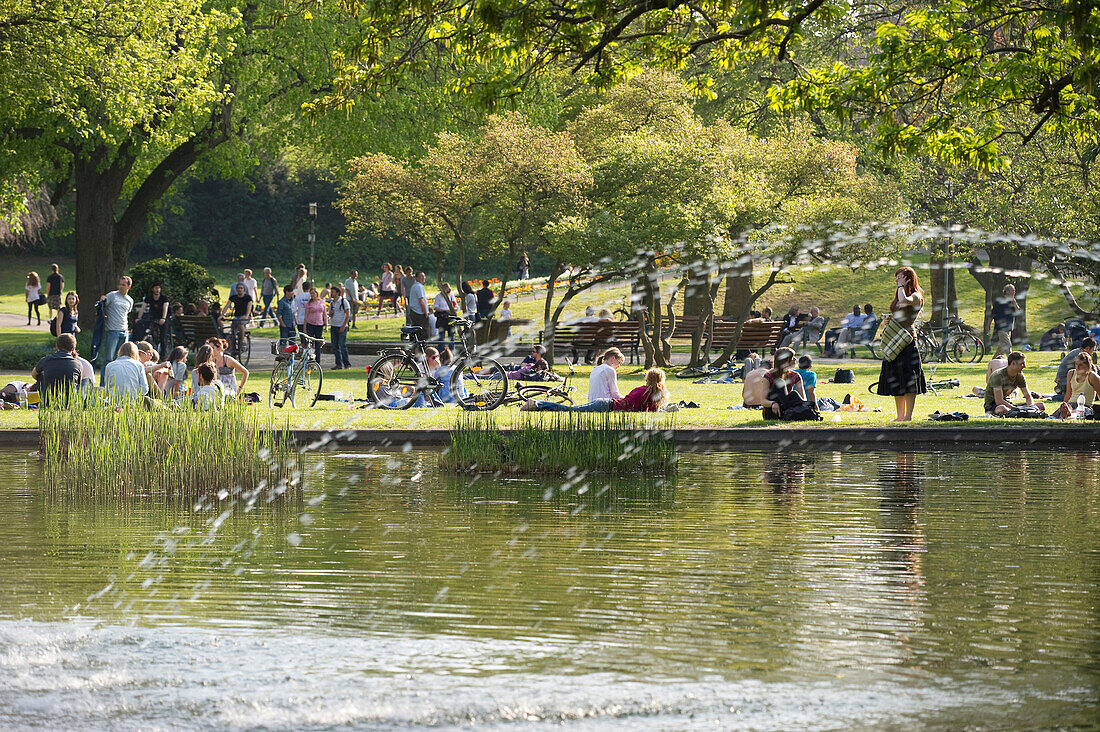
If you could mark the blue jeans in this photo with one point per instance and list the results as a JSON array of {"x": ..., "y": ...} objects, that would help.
[
  {"x": 287, "y": 334},
  {"x": 596, "y": 405},
  {"x": 266, "y": 312},
  {"x": 112, "y": 341},
  {"x": 340, "y": 347}
]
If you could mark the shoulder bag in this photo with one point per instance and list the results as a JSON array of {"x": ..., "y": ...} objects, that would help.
[{"x": 894, "y": 338}]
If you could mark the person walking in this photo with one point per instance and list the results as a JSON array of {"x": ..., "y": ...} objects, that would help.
[
  {"x": 338, "y": 325},
  {"x": 33, "y": 289},
  {"x": 1003, "y": 314},
  {"x": 116, "y": 311},
  {"x": 351, "y": 292},
  {"x": 408, "y": 280},
  {"x": 55, "y": 288},
  {"x": 902, "y": 375},
  {"x": 269, "y": 289}
]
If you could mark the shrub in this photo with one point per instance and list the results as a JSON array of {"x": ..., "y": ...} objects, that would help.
[
  {"x": 183, "y": 281},
  {"x": 22, "y": 357}
]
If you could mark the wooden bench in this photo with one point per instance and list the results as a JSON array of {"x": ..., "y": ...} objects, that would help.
[
  {"x": 622, "y": 334},
  {"x": 802, "y": 339},
  {"x": 761, "y": 337},
  {"x": 196, "y": 329}
]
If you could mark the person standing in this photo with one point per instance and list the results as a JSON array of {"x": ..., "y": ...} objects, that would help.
[
  {"x": 486, "y": 301},
  {"x": 407, "y": 280},
  {"x": 116, "y": 311},
  {"x": 418, "y": 305},
  {"x": 251, "y": 285},
  {"x": 67, "y": 315},
  {"x": 351, "y": 292},
  {"x": 315, "y": 310},
  {"x": 269, "y": 288},
  {"x": 523, "y": 267},
  {"x": 284, "y": 315},
  {"x": 34, "y": 293},
  {"x": 1003, "y": 314},
  {"x": 300, "y": 280},
  {"x": 903, "y": 376},
  {"x": 300, "y": 300},
  {"x": 55, "y": 288},
  {"x": 338, "y": 325}
]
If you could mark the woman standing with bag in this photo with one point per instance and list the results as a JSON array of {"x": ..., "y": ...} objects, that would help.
[{"x": 902, "y": 375}]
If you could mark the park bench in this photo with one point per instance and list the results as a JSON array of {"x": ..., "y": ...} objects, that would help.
[
  {"x": 624, "y": 335},
  {"x": 197, "y": 329},
  {"x": 803, "y": 338},
  {"x": 760, "y": 336}
]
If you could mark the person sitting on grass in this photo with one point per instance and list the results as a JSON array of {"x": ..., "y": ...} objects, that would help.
[
  {"x": 177, "y": 372},
  {"x": 1067, "y": 364},
  {"x": 1083, "y": 381},
  {"x": 58, "y": 373},
  {"x": 124, "y": 377},
  {"x": 209, "y": 395},
  {"x": 442, "y": 374},
  {"x": 786, "y": 397},
  {"x": 756, "y": 386},
  {"x": 649, "y": 397},
  {"x": 809, "y": 378},
  {"x": 1005, "y": 381},
  {"x": 533, "y": 366},
  {"x": 156, "y": 371},
  {"x": 602, "y": 382},
  {"x": 227, "y": 367}
]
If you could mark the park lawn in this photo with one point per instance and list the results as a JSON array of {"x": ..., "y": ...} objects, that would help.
[
  {"x": 834, "y": 289},
  {"x": 714, "y": 400}
]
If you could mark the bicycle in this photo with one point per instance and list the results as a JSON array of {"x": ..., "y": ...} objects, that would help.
[
  {"x": 960, "y": 345},
  {"x": 560, "y": 393},
  {"x": 400, "y": 375},
  {"x": 295, "y": 366},
  {"x": 933, "y": 384}
]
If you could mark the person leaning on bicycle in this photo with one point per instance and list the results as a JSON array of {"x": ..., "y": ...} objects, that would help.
[{"x": 242, "y": 311}]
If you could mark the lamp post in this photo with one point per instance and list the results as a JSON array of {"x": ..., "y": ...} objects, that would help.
[
  {"x": 312, "y": 236},
  {"x": 949, "y": 186}
]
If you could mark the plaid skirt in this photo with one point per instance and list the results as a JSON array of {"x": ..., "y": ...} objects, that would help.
[{"x": 903, "y": 375}]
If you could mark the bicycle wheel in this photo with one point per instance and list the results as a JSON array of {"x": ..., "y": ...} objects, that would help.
[
  {"x": 276, "y": 394},
  {"x": 309, "y": 380},
  {"x": 393, "y": 381},
  {"x": 875, "y": 347},
  {"x": 245, "y": 350},
  {"x": 966, "y": 348},
  {"x": 926, "y": 348},
  {"x": 480, "y": 383},
  {"x": 543, "y": 393}
]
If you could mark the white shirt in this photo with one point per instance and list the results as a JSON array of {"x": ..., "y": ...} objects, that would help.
[
  {"x": 602, "y": 384},
  {"x": 442, "y": 303},
  {"x": 300, "y": 301},
  {"x": 469, "y": 304},
  {"x": 504, "y": 314},
  {"x": 250, "y": 285},
  {"x": 851, "y": 320},
  {"x": 209, "y": 397},
  {"x": 416, "y": 294},
  {"x": 125, "y": 377},
  {"x": 117, "y": 307},
  {"x": 341, "y": 312},
  {"x": 351, "y": 288}
]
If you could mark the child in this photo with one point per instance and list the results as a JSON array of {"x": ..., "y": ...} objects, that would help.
[
  {"x": 209, "y": 394},
  {"x": 809, "y": 379},
  {"x": 177, "y": 372},
  {"x": 505, "y": 312}
]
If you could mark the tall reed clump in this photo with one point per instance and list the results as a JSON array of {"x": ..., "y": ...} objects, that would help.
[
  {"x": 132, "y": 449},
  {"x": 561, "y": 442}
]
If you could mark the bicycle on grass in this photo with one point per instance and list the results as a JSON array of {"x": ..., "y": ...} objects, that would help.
[
  {"x": 561, "y": 393},
  {"x": 296, "y": 367},
  {"x": 400, "y": 375},
  {"x": 960, "y": 344}
]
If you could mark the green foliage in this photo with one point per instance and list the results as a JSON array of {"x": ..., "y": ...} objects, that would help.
[
  {"x": 96, "y": 448},
  {"x": 562, "y": 443},
  {"x": 181, "y": 280},
  {"x": 22, "y": 357}
]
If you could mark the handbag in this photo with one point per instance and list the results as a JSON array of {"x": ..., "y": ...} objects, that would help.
[
  {"x": 894, "y": 338},
  {"x": 41, "y": 299}
]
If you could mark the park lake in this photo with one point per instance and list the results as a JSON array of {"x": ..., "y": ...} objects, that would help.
[{"x": 757, "y": 589}]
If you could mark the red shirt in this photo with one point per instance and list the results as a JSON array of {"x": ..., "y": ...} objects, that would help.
[{"x": 638, "y": 400}]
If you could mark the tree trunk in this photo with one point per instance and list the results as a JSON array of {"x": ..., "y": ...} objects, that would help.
[
  {"x": 100, "y": 256},
  {"x": 937, "y": 294},
  {"x": 993, "y": 280},
  {"x": 460, "y": 266},
  {"x": 727, "y": 354},
  {"x": 547, "y": 324},
  {"x": 738, "y": 289}
]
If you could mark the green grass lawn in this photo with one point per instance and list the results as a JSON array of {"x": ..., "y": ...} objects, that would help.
[
  {"x": 714, "y": 400},
  {"x": 834, "y": 289}
]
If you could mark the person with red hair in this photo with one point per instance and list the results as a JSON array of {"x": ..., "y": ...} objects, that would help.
[{"x": 902, "y": 377}]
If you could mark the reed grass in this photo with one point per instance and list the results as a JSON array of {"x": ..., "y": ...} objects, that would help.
[
  {"x": 560, "y": 443},
  {"x": 130, "y": 449}
]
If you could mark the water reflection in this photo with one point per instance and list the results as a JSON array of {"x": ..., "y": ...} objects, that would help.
[{"x": 907, "y": 570}]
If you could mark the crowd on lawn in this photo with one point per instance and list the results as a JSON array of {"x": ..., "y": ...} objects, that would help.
[{"x": 134, "y": 369}]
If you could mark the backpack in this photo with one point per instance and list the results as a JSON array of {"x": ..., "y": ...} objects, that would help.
[
  {"x": 55, "y": 326},
  {"x": 844, "y": 376}
]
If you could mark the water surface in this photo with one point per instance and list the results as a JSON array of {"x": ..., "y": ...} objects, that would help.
[{"x": 756, "y": 590}]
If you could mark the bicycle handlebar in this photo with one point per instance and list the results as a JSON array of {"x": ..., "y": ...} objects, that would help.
[{"x": 303, "y": 336}]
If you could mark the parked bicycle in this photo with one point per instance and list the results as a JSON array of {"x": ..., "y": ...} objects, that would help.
[
  {"x": 400, "y": 375},
  {"x": 960, "y": 345},
  {"x": 561, "y": 392},
  {"x": 296, "y": 367}
]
